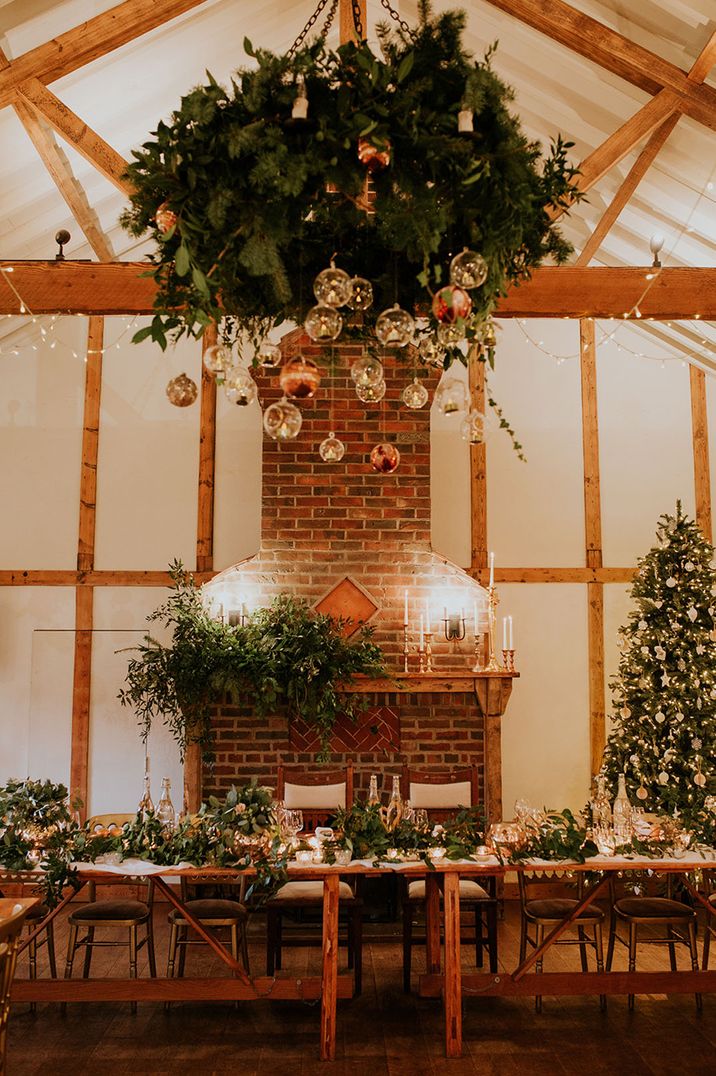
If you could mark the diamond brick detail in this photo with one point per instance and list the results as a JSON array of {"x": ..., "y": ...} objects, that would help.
[
  {"x": 375, "y": 730},
  {"x": 350, "y": 602}
]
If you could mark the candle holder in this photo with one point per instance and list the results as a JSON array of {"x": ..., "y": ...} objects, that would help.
[
  {"x": 478, "y": 667},
  {"x": 428, "y": 652},
  {"x": 504, "y": 658},
  {"x": 492, "y": 602},
  {"x": 511, "y": 660},
  {"x": 421, "y": 658},
  {"x": 406, "y": 649},
  {"x": 454, "y": 627}
]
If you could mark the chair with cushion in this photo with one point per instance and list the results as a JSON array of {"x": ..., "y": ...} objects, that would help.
[
  {"x": 113, "y": 915},
  {"x": 318, "y": 796},
  {"x": 217, "y": 912},
  {"x": 546, "y": 912},
  {"x": 441, "y": 794},
  {"x": 637, "y": 911}
]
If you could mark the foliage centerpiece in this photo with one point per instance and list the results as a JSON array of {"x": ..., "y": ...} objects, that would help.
[
  {"x": 286, "y": 656},
  {"x": 664, "y": 734},
  {"x": 254, "y": 199}
]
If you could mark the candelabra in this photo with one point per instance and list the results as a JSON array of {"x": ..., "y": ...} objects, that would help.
[
  {"x": 492, "y": 602},
  {"x": 454, "y": 627}
]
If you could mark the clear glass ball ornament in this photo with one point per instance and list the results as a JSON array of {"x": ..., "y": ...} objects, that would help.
[
  {"x": 333, "y": 287},
  {"x": 367, "y": 370},
  {"x": 468, "y": 269},
  {"x": 361, "y": 297},
  {"x": 451, "y": 335},
  {"x": 474, "y": 427},
  {"x": 394, "y": 327},
  {"x": 431, "y": 352},
  {"x": 283, "y": 420},
  {"x": 218, "y": 359},
  {"x": 371, "y": 393},
  {"x": 384, "y": 458},
  {"x": 323, "y": 323},
  {"x": 451, "y": 396},
  {"x": 300, "y": 377},
  {"x": 268, "y": 355},
  {"x": 331, "y": 450},
  {"x": 181, "y": 391},
  {"x": 415, "y": 395},
  {"x": 240, "y": 387}
]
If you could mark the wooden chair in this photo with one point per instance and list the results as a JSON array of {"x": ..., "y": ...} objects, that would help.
[
  {"x": 317, "y": 795},
  {"x": 544, "y": 913},
  {"x": 33, "y": 920},
  {"x": 710, "y": 923},
  {"x": 217, "y": 912},
  {"x": 653, "y": 911},
  {"x": 12, "y": 918},
  {"x": 126, "y": 915},
  {"x": 441, "y": 793}
]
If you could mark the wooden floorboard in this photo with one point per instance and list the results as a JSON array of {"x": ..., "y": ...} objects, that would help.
[{"x": 383, "y": 1033}]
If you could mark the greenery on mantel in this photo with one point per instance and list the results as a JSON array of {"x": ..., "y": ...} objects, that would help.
[
  {"x": 261, "y": 200},
  {"x": 285, "y": 658}
]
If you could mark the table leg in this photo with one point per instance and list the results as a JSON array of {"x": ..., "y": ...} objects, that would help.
[
  {"x": 432, "y": 923},
  {"x": 329, "y": 986},
  {"x": 452, "y": 998}
]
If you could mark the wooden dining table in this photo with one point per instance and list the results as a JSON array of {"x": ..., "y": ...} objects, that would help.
[{"x": 443, "y": 977}]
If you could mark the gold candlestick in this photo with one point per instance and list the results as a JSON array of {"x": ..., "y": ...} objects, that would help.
[
  {"x": 406, "y": 648},
  {"x": 511, "y": 661},
  {"x": 492, "y": 603},
  {"x": 428, "y": 652},
  {"x": 478, "y": 666},
  {"x": 504, "y": 659},
  {"x": 421, "y": 658}
]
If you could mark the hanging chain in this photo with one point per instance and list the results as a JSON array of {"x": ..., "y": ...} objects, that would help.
[
  {"x": 401, "y": 22},
  {"x": 312, "y": 22},
  {"x": 357, "y": 19}
]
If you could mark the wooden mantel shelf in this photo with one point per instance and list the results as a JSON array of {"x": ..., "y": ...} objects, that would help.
[{"x": 492, "y": 690}]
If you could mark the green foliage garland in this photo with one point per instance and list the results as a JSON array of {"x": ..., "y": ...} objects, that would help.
[
  {"x": 664, "y": 696},
  {"x": 285, "y": 657},
  {"x": 262, "y": 200}
]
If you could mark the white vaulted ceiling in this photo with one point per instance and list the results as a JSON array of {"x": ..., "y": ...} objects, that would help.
[{"x": 123, "y": 95}]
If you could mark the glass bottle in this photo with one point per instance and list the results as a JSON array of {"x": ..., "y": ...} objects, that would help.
[
  {"x": 601, "y": 807},
  {"x": 373, "y": 797},
  {"x": 395, "y": 806},
  {"x": 166, "y": 814},
  {"x": 146, "y": 804},
  {"x": 622, "y": 813}
]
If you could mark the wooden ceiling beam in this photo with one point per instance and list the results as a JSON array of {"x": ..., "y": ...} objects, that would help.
[
  {"x": 77, "y": 133},
  {"x": 49, "y": 287},
  {"x": 614, "y": 52},
  {"x": 89, "y": 41},
  {"x": 60, "y": 171}
]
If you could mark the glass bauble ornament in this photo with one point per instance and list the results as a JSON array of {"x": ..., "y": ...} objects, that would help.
[
  {"x": 394, "y": 327},
  {"x": 323, "y": 323},
  {"x": 240, "y": 387},
  {"x": 415, "y": 395},
  {"x": 333, "y": 287},
  {"x": 165, "y": 218},
  {"x": 474, "y": 427},
  {"x": 268, "y": 354},
  {"x": 372, "y": 156},
  {"x": 218, "y": 359},
  {"x": 372, "y": 393},
  {"x": 331, "y": 450},
  {"x": 300, "y": 377},
  {"x": 361, "y": 297},
  {"x": 451, "y": 396},
  {"x": 431, "y": 352},
  {"x": 283, "y": 420},
  {"x": 451, "y": 303},
  {"x": 182, "y": 391},
  {"x": 367, "y": 370},
  {"x": 384, "y": 458},
  {"x": 451, "y": 335},
  {"x": 468, "y": 270}
]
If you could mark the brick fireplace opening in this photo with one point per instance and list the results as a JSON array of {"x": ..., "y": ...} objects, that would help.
[{"x": 352, "y": 541}]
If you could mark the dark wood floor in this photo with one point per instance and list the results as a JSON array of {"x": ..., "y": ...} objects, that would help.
[{"x": 383, "y": 1033}]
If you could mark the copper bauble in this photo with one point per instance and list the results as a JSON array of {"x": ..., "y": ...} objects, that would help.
[
  {"x": 300, "y": 377},
  {"x": 165, "y": 218},
  {"x": 384, "y": 458},
  {"x": 371, "y": 156},
  {"x": 182, "y": 391},
  {"x": 450, "y": 304}
]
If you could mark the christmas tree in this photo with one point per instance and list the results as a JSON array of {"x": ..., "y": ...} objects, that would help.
[{"x": 664, "y": 696}]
